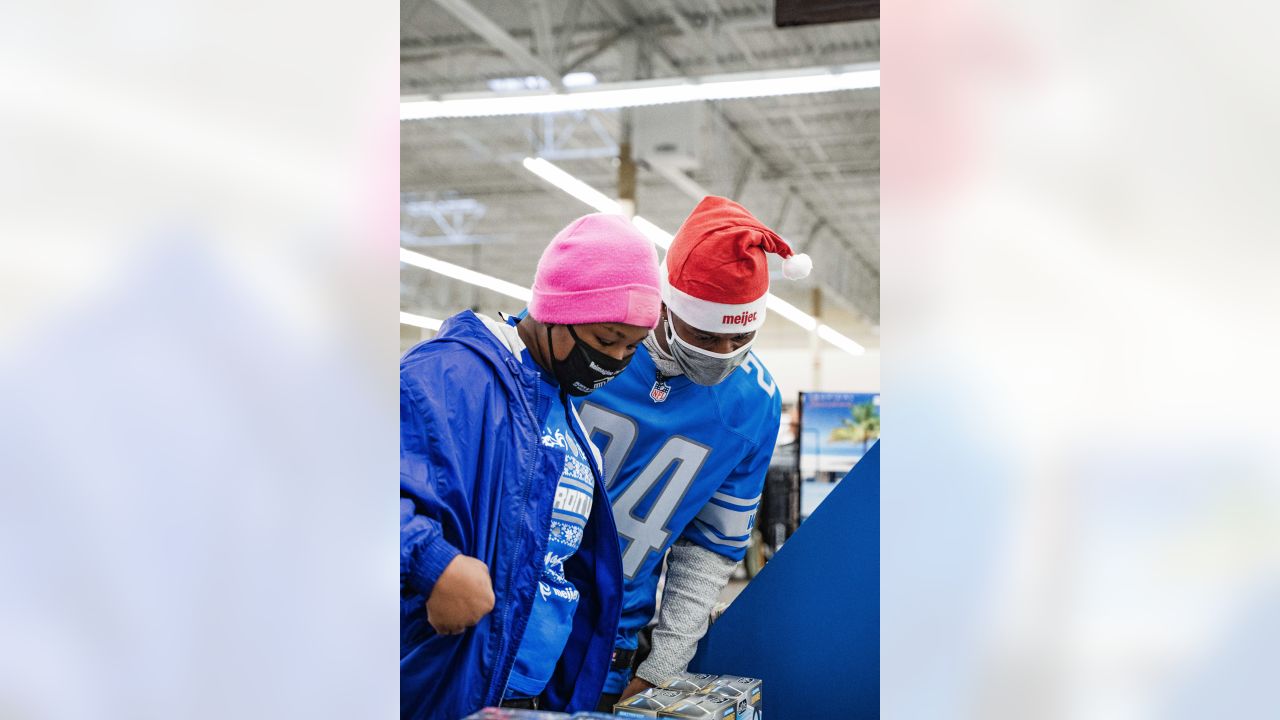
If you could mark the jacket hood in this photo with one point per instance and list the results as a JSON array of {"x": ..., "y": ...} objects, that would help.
[{"x": 468, "y": 330}]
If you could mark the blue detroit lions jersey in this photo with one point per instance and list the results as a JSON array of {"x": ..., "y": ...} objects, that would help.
[{"x": 688, "y": 463}]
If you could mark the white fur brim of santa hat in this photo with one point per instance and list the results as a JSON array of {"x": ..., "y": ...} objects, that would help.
[{"x": 712, "y": 316}]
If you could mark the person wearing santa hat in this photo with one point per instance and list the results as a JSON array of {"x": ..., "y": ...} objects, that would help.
[
  {"x": 687, "y": 433},
  {"x": 510, "y": 579}
]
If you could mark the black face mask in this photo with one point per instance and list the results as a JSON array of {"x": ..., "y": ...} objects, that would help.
[{"x": 586, "y": 368}]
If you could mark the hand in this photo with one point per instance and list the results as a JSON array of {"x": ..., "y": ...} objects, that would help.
[
  {"x": 462, "y": 595},
  {"x": 636, "y": 686}
]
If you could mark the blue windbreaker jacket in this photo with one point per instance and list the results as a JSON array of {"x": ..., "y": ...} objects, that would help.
[{"x": 473, "y": 480}]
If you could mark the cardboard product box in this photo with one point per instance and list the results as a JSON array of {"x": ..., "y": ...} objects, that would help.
[
  {"x": 689, "y": 682},
  {"x": 703, "y": 707},
  {"x": 594, "y": 716},
  {"x": 740, "y": 698},
  {"x": 746, "y": 691},
  {"x": 648, "y": 703}
]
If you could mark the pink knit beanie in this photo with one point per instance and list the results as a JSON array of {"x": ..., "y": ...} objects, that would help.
[{"x": 598, "y": 269}]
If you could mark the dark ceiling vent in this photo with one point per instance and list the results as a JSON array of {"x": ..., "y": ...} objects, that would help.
[{"x": 788, "y": 13}]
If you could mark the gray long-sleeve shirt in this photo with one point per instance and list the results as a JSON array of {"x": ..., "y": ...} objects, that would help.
[{"x": 695, "y": 577}]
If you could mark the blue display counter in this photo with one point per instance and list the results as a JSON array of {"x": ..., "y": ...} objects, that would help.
[{"x": 809, "y": 624}]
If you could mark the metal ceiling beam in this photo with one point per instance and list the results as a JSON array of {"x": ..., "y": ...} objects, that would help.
[
  {"x": 676, "y": 177},
  {"x": 624, "y": 12},
  {"x": 501, "y": 39},
  {"x": 543, "y": 36},
  {"x": 716, "y": 20},
  {"x": 659, "y": 23},
  {"x": 856, "y": 283},
  {"x": 568, "y": 27},
  {"x": 742, "y": 176},
  {"x": 608, "y": 8},
  {"x": 685, "y": 26},
  {"x": 604, "y": 43}
]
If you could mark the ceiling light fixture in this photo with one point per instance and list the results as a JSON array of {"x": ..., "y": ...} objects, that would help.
[
  {"x": 790, "y": 312},
  {"x": 419, "y": 321},
  {"x": 646, "y": 92},
  {"x": 458, "y": 272},
  {"x": 593, "y": 198},
  {"x": 572, "y": 185},
  {"x": 579, "y": 79},
  {"x": 656, "y": 235},
  {"x": 828, "y": 333}
]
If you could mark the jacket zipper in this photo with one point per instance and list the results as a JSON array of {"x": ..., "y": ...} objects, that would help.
[
  {"x": 610, "y": 530},
  {"x": 506, "y": 615},
  {"x": 571, "y": 417}
]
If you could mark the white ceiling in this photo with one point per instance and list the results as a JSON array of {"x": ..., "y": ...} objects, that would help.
[{"x": 807, "y": 165}]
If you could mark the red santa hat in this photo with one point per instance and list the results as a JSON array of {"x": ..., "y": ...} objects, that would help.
[{"x": 716, "y": 276}]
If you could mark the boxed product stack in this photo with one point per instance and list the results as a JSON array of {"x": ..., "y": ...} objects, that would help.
[
  {"x": 648, "y": 703},
  {"x": 492, "y": 713},
  {"x": 687, "y": 695},
  {"x": 696, "y": 695}
]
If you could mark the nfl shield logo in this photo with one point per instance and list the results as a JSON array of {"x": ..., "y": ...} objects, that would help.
[{"x": 660, "y": 391}]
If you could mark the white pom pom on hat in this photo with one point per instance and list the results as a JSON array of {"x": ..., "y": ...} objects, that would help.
[{"x": 797, "y": 266}]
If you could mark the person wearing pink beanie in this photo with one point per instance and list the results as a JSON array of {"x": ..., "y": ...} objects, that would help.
[
  {"x": 602, "y": 274},
  {"x": 510, "y": 569}
]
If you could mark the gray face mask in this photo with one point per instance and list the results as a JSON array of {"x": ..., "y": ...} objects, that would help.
[
  {"x": 661, "y": 358},
  {"x": 703, "y": 366}
]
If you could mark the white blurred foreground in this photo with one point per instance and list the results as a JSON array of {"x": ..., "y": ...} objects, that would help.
[
  {"x": 197, "y": 299},
  {"x": 1081, "y": 499}
]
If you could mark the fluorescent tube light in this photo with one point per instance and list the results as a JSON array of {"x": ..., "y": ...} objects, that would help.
[
  {"x": 579, "y": 79},
  {"x": 419, "y": 321},
  {"x": 511, "y": 84},
  {"x": 572, "y": 185},
  {"x": 790, "y": 312},
  {"x": 594, "y": 198},
  {"x": 645, "y": 92},
  {"x": 458, "y": 272},
  {"x": 657, "y": 235},
  {"x": 828, "y": 333}
]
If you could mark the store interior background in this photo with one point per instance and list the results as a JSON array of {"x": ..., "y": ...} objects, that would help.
[{"x": 806, "y": 165}]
